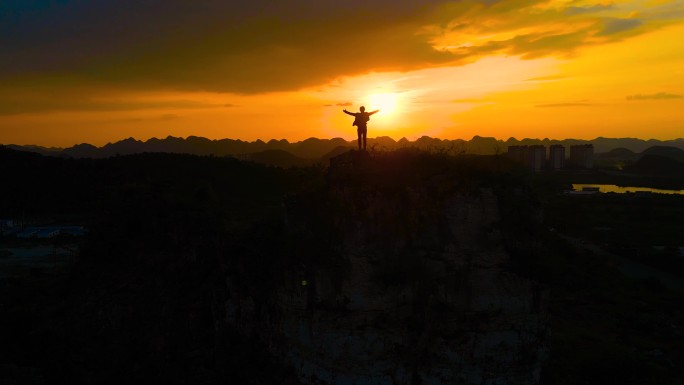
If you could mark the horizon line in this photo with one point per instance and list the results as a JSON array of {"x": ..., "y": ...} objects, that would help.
[{"x": 512, "y": 138}]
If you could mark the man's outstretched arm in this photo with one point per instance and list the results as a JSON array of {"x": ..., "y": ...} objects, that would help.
[
  {"x": 372, "y": 112},
  {"x": 349, "y": 113}
]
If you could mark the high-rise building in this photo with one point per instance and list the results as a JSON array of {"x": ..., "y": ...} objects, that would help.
[
  {"x": 556, "y": 157},
  {"x": 518, "y": 153},
  {"x": 533, "y": 157},
  {"x": 536, "y": 157},
  {"x": 582, "y": 155}
]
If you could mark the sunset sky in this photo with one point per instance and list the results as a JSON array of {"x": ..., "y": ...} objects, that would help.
[{"x": 99, "y": 71}]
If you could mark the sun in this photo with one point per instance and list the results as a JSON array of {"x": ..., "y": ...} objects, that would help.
[{"x": 386, "y": 103}]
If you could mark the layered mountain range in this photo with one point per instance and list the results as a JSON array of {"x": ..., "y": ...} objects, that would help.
[{"x": 314, "y": 148}]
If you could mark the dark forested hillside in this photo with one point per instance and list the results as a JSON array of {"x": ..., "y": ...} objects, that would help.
[{"x": 386, "y": 267}]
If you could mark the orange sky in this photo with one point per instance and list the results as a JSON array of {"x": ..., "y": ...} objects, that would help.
[{"x": 522, "y": 68}]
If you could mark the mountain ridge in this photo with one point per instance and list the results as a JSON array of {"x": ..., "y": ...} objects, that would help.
[{"x": 315, "y": 148}]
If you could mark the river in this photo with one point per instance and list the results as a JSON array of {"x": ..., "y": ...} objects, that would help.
[{"x": 606, "y": 188}]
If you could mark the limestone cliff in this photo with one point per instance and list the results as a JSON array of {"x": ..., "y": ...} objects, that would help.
[{"x": 408, "y": 281}]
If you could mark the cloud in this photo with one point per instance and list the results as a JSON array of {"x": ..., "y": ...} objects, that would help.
[
  {"x": 547, "y": 78},
  {"x": 615, "y": 25},
  {"x": 233, "y": 46},
  {"x": 260, "y": 46},
  {"x": 657, "y": 96},
  {"x": 15, "y": 101},
  {"x": 343, "y": 104},
  {"x": 469, "y": 100},
  {"x": 169, "y": 117},
  {"x": 533, "y": 29},
  {"x": 554, "y": 105},
  {"x": 574, "y": 10}
]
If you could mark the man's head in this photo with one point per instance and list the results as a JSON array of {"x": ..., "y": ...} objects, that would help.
[{"x": 362, "y": 108}]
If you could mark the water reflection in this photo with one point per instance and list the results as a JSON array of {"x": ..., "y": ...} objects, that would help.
[{"x": 606, "y": 188}]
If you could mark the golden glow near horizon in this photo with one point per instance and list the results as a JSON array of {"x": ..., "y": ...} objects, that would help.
[
  {"x": 541, "y": 69},
  {"x": 386, "y": 103}
]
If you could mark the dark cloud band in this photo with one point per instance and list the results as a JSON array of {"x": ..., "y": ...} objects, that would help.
[{"x": 256, "y": 46}]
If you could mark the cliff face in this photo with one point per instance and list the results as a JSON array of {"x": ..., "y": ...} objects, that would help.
[
  {"x": 387, "y": 268},
  {"x": 413, "y": 285}
]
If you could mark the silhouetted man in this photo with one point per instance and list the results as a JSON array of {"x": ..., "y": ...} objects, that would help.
[{"x": 360, "y": 121}]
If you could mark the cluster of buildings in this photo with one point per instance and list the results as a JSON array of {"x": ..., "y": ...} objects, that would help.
[
  {"x": 535, "y": 156},
  {"x": 9, "y": 227}
]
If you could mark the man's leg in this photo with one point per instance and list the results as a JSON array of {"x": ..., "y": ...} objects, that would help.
[
  {"x": 364, "y": 139},
  {"x": 359, "y": 132}
]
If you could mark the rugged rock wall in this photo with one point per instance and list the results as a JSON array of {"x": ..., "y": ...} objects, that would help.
[{"x": 413, "y": 286}]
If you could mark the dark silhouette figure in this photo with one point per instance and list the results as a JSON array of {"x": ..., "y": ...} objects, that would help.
[{"x": 360, "y": 121}]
